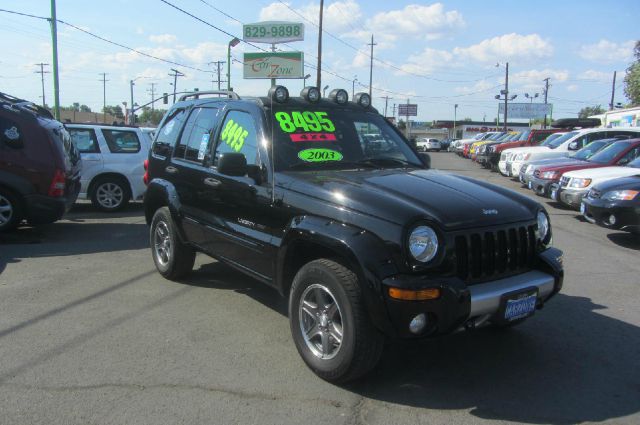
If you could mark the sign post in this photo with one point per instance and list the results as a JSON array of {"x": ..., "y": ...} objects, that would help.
[{"x": 408, "y": 109}]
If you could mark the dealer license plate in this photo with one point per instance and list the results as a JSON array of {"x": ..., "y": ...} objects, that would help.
[{"x": 520, "y": 308}]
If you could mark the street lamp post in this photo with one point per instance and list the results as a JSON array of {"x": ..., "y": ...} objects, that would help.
[
  {"x": 455, "y": 113},
  {"x": 353, "y": 86},
  {"x": 304, "y": 80},
  {"x": 324, "y": 90},
  {"x": 232, "y": 43},
  {"x": 531, "y": 97}
]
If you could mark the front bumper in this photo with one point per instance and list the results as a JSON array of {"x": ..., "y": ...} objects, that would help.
[
  {"x": 462, "y": 305},
  {"x": 515, "y": 168},
  {"x": 540, "y": 186},
  {"x": 570, "y": 197},
  {"x": 504, "y": 168},
  {"x": 626, "y": 214}
]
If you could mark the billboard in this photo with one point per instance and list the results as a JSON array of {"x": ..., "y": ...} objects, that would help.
[
  {"x": 273, "y": 65},
  {"x": 526, "y": 110},
  {"x": 408, "y": 110}
]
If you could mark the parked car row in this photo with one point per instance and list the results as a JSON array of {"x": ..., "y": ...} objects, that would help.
[
  {"x": 46, "y": 165},
  {"x": 591, "y": 169}
]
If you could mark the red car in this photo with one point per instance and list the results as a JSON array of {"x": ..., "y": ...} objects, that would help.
[
  {"x": 617, "y": 153},
  {"x": 528, "y": 138}
]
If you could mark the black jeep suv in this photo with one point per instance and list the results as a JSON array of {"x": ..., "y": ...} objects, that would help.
[{"x": 364, "y": 240}]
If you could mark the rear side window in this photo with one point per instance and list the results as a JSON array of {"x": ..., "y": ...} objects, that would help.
[
  {"x": 238, "y": 134},
  {"x": 122, "y": 141},
  {"x": 84, "y": 139},
  {"x": 168, "y": 133},
  {"x": 194, "y": 142}
]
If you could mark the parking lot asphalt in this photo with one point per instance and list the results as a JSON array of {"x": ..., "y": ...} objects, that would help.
[{"x": 91, "y": 334}]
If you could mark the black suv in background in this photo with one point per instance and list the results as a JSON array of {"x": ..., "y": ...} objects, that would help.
[
  {"x": 364, "y": 240},
  {"x": 39, "y": 166}
]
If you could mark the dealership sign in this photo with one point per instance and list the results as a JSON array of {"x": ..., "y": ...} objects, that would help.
[
  {"x": 273, "y": 32},
  {"x": 273, "y": 65},
  {"x": 526, "y": 110}
]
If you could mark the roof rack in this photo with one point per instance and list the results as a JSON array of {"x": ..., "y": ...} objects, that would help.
[
  {"x": 230, "y": 94},
  {"x": 25, "y": 104}
]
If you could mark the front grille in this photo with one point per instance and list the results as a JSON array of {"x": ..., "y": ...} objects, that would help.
[
  {"x": 594, "y": 194},
  {"x": 485, "y": 255},
  {"x": 564, "y": 181},
  {"x": 504, "y": 157}
]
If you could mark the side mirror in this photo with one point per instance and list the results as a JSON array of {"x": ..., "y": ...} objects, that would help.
[
  {"x": 426, "y": 159},
  {"x": 232, "y": 164},
  {"x": 573, "y": 146}
]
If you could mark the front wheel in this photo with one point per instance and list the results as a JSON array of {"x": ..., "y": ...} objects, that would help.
[
  {"x": 172, "y": 258},
  {"x": 329, "y": 324},
  {"x": 110, "y": 194},
  {"x": 10, "y": 210}
]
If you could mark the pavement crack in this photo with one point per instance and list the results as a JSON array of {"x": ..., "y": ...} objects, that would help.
[{"x": 356, "y": 413}]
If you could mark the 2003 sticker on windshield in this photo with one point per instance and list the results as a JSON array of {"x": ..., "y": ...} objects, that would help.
[{"x": 319, "y": 155}]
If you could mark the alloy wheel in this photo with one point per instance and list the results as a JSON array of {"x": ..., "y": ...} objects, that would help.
[
  {"x": 320, "y": 321},
  {"x": 109, "y": 195}
]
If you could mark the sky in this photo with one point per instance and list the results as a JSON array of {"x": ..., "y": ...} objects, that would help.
[{"x": 434, "y": 54}]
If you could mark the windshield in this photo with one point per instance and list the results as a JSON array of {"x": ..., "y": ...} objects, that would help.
[
  {"x": 495, "y": 136},
  {"x": 551, "y": 138},
  {"x": 589, "y": 150},
  {"x": 559, "y": 140},
  {"x": 524, "y": 135},
  {"x": 312, "y": 137},
  {"x": 607, "y": 154}
]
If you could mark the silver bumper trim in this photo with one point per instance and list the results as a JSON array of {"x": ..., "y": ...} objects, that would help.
[{"x": 485, "y": 297}]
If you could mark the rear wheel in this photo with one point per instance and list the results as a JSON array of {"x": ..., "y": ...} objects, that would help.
[
  {"x": 172, "y": 257},
  {"x": 10, "y": 210},
  {"x": 110, "y": 194},
  {"x": 329, "y": 324}
]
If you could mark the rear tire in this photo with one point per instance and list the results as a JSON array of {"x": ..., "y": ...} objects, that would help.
[
  {"x": 110, "y": 194},
  {"x": 10, "y": 210},
  {"x": 329, "y": 324},
  {"x": 172, "y": 257}
]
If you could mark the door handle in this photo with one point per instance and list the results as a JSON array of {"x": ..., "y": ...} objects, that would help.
[
  {"x": 212, "y": 182},
  {"x": 171, "y": 169}
]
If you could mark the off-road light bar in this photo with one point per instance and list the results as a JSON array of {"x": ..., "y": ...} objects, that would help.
[
  {"x": 339, "y": 96},
  {"x": 363, "y": 99},
  {"x": 279, "y": 93},
  {"x": 310, "y": 94}
]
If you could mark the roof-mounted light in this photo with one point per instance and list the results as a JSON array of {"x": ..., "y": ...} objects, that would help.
[
  {"x": 279, "y": 93},
  {"x": 310, "y": 94},
  {"x": 339, "y": 96},
  {"x": 363, "y": 99}
]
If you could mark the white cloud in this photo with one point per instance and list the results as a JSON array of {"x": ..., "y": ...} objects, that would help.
[
  {"x": 507, "y": 47},
  {"x": 480, "y": 86},
  {"x": 606, "y": 51},
  {"x": 338, "y": 16},
  {"x": 572, "y": 88},
  {"x": 535, "y": 76},
  {"x": 163, "y": 38},
  {"x": 596, "y": 75}
]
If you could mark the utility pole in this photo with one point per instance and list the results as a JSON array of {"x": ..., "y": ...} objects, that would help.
[
  {"x": 218, "y": 65},
  {"x": 42, "y": 72},
  {"x": 104, "y": 96},
  {"x": 546, "y": 93},
  {"x": 371, "y": 64},
  {"x": 394, "y": 110},
  {"x": 613, "y": 91},
  {"x": 153, "y": 95},
  {"x": 132, "y": 116},
  {"x": 175, "y": 76},
  {"x": 386, "y": 101},
  {"x": 319, "y": 74},
  {"x": 54, "y": 43}
]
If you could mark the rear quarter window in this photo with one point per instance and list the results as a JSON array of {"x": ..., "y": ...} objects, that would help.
[{"x": 122, "y": 141}]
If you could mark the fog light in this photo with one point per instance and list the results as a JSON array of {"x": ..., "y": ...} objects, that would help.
[
  {"x": 418, "y": 323},
  {"x": 612, "y": 219}
]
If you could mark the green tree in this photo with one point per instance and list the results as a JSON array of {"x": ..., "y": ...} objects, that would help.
[
  {"x": 150, "y": 116},
  {"x": 84, "y": 108},
  {"x": 587, "y": 111},
  {"x": 402, "y": 125},
  {"x": 632, "y": 78},
  {"x": 116, "y": 111}
]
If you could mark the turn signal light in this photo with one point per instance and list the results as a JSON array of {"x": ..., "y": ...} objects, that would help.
[{"x": 414, "y": 295}]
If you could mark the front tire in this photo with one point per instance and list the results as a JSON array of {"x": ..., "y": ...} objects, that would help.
[
  {"x": 110, "y": 194},
  {"x": 329, "y": 323},
  {"x": 172, "y": 257}
]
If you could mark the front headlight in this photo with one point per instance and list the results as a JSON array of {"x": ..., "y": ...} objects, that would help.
[
  {"x": 580, "y": 183},
  {"x": 549, "y": 175},
  {"x": 423, "y": 244},
  {"x": 543, "y": 227},
  {"x": 620, "y": 195}
]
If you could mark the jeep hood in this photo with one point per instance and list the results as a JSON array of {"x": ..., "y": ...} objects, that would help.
[{"x": 402, "y": 196}]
